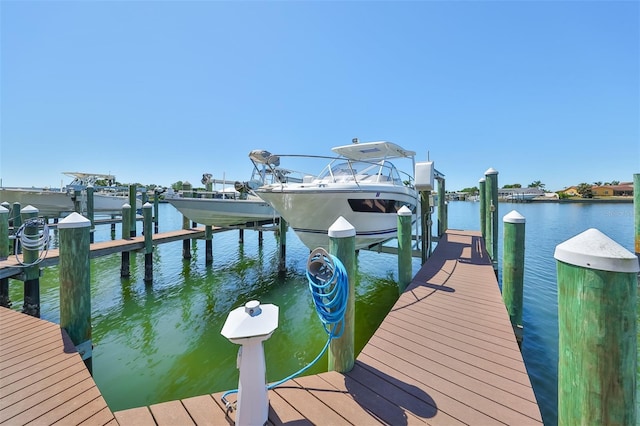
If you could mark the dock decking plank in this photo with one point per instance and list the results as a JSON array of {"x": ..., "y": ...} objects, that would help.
[
  {"x": 444, "y": 355},
  {"x": 43, "y": 380},
  {"x": 171, "y": 413}
]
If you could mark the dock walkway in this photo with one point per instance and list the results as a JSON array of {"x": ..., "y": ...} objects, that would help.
[
  {"x": 10, "y": 266},
  {"x": 43, "y": 380},
  {"x": 445, "y": 354}
]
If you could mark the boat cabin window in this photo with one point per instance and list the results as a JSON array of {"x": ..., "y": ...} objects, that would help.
[
  {"x": 382, "y": 171},
  {"x": 378, "y": 205}
]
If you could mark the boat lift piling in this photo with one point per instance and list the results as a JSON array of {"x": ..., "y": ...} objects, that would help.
[
  {"x": 405, "y": 272},
  {"x": 31, "y": 305},
  {"x": 342, "y": 240},
  {"x": 90, "y": 210},
  {"x": 75, "y": 283},
  {"x": 636, "y": 208},
  {"x": 5, "y": 301},
  {"x": 186, "y": 244},
  {"x": 442, "y": 207},
  {"x": 491, "y": 193},
  {"x": 282, "y": 264},
  {"x": 482, "y": 184},
  {"x": 424, "y": 176},
  {"x": 513, "y": 270},
  {"x": 132, "y": 212},
  {"x": 126, "y": 235},
  {"x": 17, "y": 223},
  {"x": 156, "y": 206},
  {"x": 148, "y": 242}
]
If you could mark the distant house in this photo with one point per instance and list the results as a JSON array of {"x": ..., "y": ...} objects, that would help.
[
  {"x": 624, "y": 189},
  {"x": 571, "y": 191}
]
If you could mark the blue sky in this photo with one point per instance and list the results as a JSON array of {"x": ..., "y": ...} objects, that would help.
[{"x": 157, "y": 92}]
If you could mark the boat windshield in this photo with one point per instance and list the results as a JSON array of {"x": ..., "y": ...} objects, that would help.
[{"x": 382, "y": 171}]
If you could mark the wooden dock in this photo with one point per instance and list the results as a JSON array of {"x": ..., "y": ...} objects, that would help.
[
  {"x": 43, "y": 380},
  {"x": 445, "y": 354},
  {"x": 11, "y": 267}
]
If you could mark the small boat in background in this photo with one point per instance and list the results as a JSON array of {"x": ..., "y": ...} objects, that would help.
[
  {"x": 233, "y": 205},
  {"x": 361, "y": 185},
  {"x": 59, "y": 202}
]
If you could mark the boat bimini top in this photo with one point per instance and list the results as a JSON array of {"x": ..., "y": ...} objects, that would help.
[
  {"x": 372, "y": 150},
  {"x": 354, "y": 151}
]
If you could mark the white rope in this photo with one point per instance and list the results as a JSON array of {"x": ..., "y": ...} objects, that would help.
[{"x": 36, "y": 242}]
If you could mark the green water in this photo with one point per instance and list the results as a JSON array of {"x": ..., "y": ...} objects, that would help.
[{"x": 161, "y": 341}]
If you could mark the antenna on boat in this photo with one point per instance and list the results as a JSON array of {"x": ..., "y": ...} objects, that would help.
[{"x": 355, "y": 140}]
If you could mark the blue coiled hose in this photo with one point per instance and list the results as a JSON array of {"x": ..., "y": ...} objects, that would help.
[{"x": 329, "y": 287}]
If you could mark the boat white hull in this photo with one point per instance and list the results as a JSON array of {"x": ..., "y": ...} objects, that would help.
[
  {"x": 223, "y": 212},
  {"x": 56, "y": 203},
  {"x": 311, "y": 210}
]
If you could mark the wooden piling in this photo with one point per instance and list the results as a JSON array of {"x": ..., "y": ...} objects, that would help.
[
  {"x": 5, "y": 301},
  {"x": 597, "y": 295},
  {"x": 186, "y": 244},
  {"x": 132, "y": 211},
  {"x": 125, "y": 269},
  {"x": 156, "y": 207},
  {"x": 482, "y": 184},
  {"x": 17, "y": 223},
  {"x": 491, "y": 239},
  {"x": 31, "y": 305},
  {"x": 442, "y": 207},
  {"x": 208, "y": 247},
  {"x": 405, "y": 272},
  {"x": 90, "y": 212},
  {"x": 282, "y": 262},
  {"x": 4, "y": 233},
  {"x": 77, "y": 201},
  {"x": 75, "y": 283},
  {"x": 241, "y": 236},
  {"x": 513, "y": 269},
  {"x": 636, "y": 208},
  {"x": 342, "y": 243},
  {"x": 148, "y": 242}
]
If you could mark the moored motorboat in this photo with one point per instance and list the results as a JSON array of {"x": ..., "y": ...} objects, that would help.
[
  {"x": 231, "y": 206},
  {"x": 362, "y": 185},
  {"x": 62, "y": 201}
]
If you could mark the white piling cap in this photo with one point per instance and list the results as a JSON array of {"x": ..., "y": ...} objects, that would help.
[
  {"x": 29, "y": 209},
  {"x": 147, "y": 205},
  {"x": 491, "y": 171},
  {"x": 404, "y": 211},
  {"x": 482, "y": 180},
  {"x": 126, "y": 206},
  {"x": 74, "y": 220},
  {"x": 250, "y": 320},
  {"x": 3, "y": 209},
  {"x": 594, "y": 250},
  {"x": 341, "y": 228},
  {"x": 513, "y": 217}
]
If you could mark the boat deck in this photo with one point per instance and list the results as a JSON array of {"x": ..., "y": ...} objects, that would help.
[{"x": 445, "y": 354}]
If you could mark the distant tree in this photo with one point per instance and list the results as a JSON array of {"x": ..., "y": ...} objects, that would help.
[
  {"x": 584, "y": 189},
  {"x": 615, "y": 182},
  {"x": 473, "y": 191},
  {"x": 513, "y": 185},
  {"x": 177, "y": 186},
  {"x": 536, "y": 184},
  {"x": 598, "y": 183}
]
